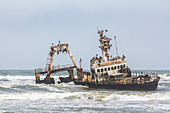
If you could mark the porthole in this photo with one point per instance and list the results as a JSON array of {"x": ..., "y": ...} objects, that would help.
[
  {"x": 109, "y": 69},
  {"x": 121, "y": 66},
  {"x": 105, "y": 69},
  {"x": 101, "y": 70},
  {"x": 117, "y": 67},
  {"x": 98, "y": 70}
]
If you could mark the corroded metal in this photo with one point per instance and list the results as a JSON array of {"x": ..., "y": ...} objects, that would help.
[
  {"x": 106, "y": 71},
  {"x": 109, "y": 72},
  {"x": 49, "y": 69}
]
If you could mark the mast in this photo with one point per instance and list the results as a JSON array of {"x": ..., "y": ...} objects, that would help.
[
  {"x": 116, "y": 46},
  {"x": 105, "y": 45}
]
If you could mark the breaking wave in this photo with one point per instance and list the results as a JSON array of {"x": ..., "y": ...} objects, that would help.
[
  {"x": 86, "y": 96},
  {"x": 21, "y": 91}
]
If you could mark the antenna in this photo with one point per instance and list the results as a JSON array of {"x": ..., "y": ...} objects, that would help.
[
  {"x": 80, "y": 62},
  {"x": 116, "y": 46}
]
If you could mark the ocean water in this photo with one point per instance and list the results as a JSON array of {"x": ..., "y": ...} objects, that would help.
[{"x": 19, "y": 93}]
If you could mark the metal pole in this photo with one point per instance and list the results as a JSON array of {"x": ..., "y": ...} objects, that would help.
[
  {"x": 80, "y": 62},
  {"x": 116, "y": 46}
]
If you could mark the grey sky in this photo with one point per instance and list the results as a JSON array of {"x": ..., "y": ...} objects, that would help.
[{"x": 28, "y": 28}]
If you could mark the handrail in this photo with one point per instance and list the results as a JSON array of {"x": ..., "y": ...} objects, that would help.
[
  {"x": 143, "y": 73},
  {"x": 39, "y": 70}
]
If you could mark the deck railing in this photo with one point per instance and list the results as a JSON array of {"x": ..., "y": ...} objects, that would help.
[
  {"x": 40, "y": 70},
  {"x": 143, "y": 73}
]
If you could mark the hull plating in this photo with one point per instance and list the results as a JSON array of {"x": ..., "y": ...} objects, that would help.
[{"x": 150, "y": 86}]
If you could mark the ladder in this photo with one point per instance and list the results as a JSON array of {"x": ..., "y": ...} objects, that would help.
[{"x": 49, "y": 58}]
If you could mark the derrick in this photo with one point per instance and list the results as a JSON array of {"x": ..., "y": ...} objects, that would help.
[{"x": 49, "y": 69}]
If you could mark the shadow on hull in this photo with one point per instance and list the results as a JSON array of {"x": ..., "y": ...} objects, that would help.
[
  {"x": 150, "y": 86},
  {"x": 65, "y": 80}
]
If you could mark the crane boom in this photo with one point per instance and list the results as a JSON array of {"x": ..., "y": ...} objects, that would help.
[{"x": 60, "y": 48}]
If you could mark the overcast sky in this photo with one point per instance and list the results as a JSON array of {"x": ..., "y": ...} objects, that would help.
[{"x": 29, "y": 27}]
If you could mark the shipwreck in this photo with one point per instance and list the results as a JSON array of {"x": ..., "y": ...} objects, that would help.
[{"x": 106, "y": 72}]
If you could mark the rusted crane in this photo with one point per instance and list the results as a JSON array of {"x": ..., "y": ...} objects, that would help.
[{"x": 49, "y": 69}]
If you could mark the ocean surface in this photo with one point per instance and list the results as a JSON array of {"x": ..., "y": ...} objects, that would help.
[{"x": 19, "y": 93}]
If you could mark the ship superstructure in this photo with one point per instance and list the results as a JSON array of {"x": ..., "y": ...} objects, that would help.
[{"x": 104, "y": 66}]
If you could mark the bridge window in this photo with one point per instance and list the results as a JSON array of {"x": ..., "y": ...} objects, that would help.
[
  {"x": 101, "y": 70},
  {"x": 109, "y": 69},
  {"x": 105, "y": 69},
  {"x": 117, "y": 67},
  {"x": 124, "y": 65},
  {"x": 121, "y": 66},
  {"x": 98, "y": 70}
]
